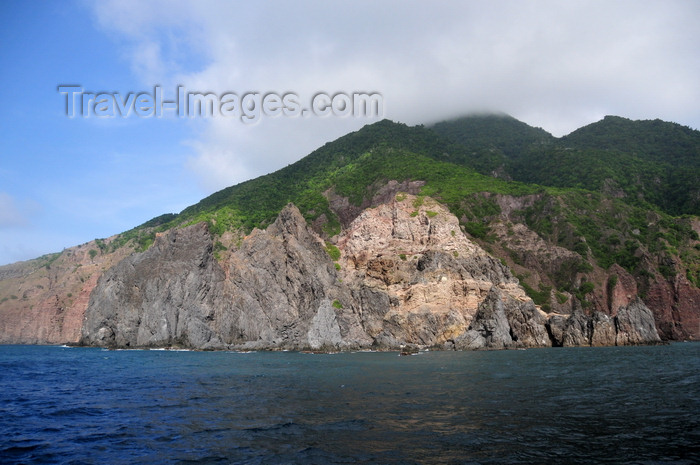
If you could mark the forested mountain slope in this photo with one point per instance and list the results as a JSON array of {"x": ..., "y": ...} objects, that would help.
[{"x": 586, "y": 223}]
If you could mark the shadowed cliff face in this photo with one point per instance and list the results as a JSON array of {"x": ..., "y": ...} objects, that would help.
[
  {"x": 279, "y": 290},
  {"x": 163, "y": 296},
  {"x": 286, "y": 292},
  {"x": 406, "y": 275}
]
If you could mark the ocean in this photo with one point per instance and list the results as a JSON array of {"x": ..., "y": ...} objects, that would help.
[{"x": 635, "y": 405}]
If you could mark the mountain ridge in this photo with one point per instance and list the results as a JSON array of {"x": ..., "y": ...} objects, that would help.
[
  {"x": 572, "y": 249},
  {"x": 652, "y": 162}
]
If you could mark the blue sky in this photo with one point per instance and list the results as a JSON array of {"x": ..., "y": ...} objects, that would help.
[{"x": 65, "y": 181}]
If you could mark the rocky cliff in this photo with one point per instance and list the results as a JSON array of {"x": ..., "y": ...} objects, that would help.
[
  {"x": 418, "y": 278},
  {"x": 43, "y": 301},
  {"x": 400, "y": 274},
  {"x": 371, "y": 260},
  {"x": 557, "y": 276},
  {"x": 278, "y": 290}
]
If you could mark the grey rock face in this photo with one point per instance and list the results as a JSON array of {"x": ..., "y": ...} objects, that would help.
[
  {"x": 577, "y": 330},
  {"x": 603, "y": 329},
  {"x": 166, "y": 295},
  {"x": 401, "y": 283},
  {"x": 633, "y": 324},
  {"x": 555, "y": 327},
  {"x": 527, "y": 325},
  {"x": 287, "y": 294},
  {"x": 324, "y": 330},
  {"x": 280, "y": 291},
  {"x": 490, "y": 324},
  {"x": 503, "y": 322}
]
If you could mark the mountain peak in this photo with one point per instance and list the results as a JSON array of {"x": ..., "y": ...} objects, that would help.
[{"x": 499, "y": 131}]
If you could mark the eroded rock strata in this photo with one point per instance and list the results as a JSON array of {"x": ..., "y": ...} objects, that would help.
[
  {"x": 44, "y": 300},
  {"x": 405, "y": 275}
]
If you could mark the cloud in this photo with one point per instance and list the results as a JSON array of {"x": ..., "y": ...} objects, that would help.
[
  {"x": 11, "y": 214},
  {"x": 226, "y": 153},
  {"x": 558, "y": 65}
]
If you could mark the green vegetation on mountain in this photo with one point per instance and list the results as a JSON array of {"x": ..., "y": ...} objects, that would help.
[
  {"x": 257, "y": 202},
  {"x": 610, "y": 231},
  {"x": 605, "y": 192},
  {"x": 652, "y": 164},
  {"x": 497, "y": 134},
  {"x": 354, "y": 166},
  {"x": 652, "y": 140}
]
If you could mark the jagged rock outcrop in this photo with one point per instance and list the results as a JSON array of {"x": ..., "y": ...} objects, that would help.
[
  {"x": 411, "y": 254},
  {"x": 164, "y": 296},
  {"x": 406, "y": 275},
  {"x": 528, "y": 324},
  {"x": 286, "y": 293},
  {"x": 633, "y": 324},
  {"x": 408, "y": 272},
  {"x": 504, "y": 322},
  {"x": 280, "y": 290},
  {"x": 577, "y": 330},
  {"x": 603, "y": 330}
]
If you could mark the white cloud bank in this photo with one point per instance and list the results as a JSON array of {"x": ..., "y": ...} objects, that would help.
[{"x": 558, "y": 65}]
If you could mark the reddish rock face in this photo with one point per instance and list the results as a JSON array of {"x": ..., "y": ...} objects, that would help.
[
  {"x": 406, "y": 274},
  {"x": 623, "y": 292},
  {"x": 687, "y": 308},
  {"x": 51, "y": 295},
  {"x": 676, "y": 308},
  {"x": 412, "y": 250},
  {"x": 49, "y": 321}
]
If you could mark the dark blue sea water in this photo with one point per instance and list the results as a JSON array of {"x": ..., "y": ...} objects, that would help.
[{"x": 636, "y": 405}]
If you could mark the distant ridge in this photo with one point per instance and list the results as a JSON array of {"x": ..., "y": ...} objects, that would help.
[{"x": 653, "y": 164}]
